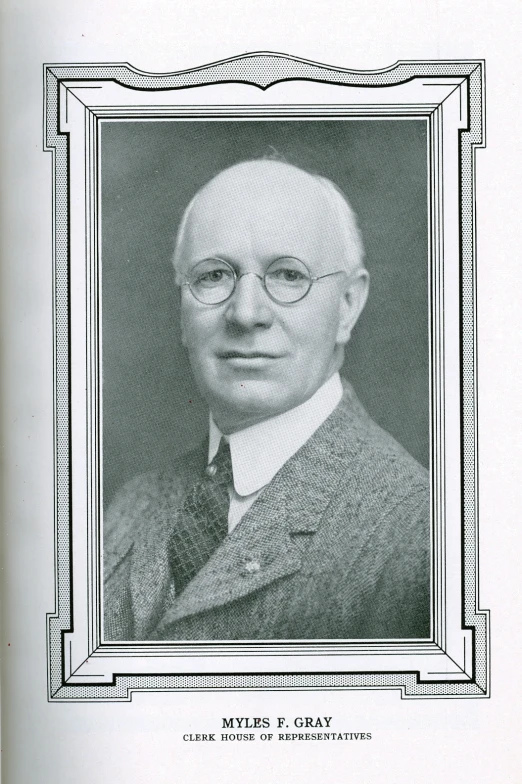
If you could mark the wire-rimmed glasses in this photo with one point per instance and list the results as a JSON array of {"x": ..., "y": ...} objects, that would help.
[{"x": 286, "y": 280}]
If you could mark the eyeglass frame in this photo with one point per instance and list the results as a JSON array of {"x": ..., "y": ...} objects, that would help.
[{"x": 262, "y": 278}]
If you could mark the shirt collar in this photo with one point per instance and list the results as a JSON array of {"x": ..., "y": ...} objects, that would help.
[{"x": 259, "y": 451}]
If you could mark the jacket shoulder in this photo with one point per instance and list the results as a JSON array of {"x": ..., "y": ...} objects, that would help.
[{"x": 376, "y": 454}]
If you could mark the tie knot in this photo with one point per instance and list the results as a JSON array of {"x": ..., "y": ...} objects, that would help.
[{"x": 221, "y": 465}]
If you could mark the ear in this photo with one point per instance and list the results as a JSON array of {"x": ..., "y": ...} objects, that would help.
[{"x": 353, "y": 300}]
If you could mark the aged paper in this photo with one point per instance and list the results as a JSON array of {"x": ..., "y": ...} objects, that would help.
[{"x": 163, "y": 736}]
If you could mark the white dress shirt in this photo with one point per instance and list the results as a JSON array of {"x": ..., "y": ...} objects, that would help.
[{"x": 259, "y": 451}]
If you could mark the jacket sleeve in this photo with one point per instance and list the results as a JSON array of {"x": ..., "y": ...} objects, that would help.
[
  {"x": 399, "y": 605},
  {"x": 121, "y": 524}
]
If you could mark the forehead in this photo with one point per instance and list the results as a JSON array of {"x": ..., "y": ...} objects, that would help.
[{"x": 261, "y": 210}]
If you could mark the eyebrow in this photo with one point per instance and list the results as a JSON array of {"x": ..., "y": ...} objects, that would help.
[{"x": 233, "y": 263}]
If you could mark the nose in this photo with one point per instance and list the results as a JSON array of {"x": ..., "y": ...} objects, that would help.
[{"x": 249, "y": 306}]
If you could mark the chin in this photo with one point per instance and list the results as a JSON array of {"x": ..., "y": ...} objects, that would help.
[{"x": 252, "y": 401}]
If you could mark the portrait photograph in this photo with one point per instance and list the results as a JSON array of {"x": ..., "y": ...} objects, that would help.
[{"x": 324, "y": 180}]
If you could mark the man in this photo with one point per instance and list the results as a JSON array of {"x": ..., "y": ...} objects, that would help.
[{"x": 299, "y": 518}]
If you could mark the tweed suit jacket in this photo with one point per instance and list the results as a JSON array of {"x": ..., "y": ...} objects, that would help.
[{"x": 337, "y": 546}]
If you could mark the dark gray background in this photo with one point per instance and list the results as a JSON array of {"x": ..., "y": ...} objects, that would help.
[{"x": 150, "y": 171}]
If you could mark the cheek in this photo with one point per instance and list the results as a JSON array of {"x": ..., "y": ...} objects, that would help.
[
  {"x": 196, "y": 328},
  {"x": 315, "y": 329}
]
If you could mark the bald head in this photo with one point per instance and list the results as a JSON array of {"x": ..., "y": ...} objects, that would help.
[{"x": 282, "y": 202}]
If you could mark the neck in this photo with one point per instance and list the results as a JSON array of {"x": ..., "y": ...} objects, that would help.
[{"x": 233, "y": 421}]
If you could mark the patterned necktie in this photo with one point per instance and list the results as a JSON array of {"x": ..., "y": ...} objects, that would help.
[{"x": 205, "y": 519}]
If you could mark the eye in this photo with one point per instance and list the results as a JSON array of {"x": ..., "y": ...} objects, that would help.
[
  {"x": 288, "y": 271},
  {"x": 287, "y": 275},
  {"x": 211, "y": 276},
  {"x": 211, "y": 273}
]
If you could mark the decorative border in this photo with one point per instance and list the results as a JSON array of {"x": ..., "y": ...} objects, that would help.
[{"x": 261, "y": 70}]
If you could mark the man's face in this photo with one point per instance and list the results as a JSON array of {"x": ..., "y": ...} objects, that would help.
[{"x": 254, "y": 358}]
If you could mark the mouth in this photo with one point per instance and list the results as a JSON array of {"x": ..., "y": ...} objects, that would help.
[{"x": 247, "y": 355}]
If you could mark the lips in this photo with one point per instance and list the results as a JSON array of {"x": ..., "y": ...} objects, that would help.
[{"x": 247, "y": 355}]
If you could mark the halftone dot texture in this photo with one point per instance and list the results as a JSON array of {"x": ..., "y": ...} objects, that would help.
[
  {"x": 262, "y": 70},
  {"x": 62, "y": 403},
  {"x": 125, "y": 685}
]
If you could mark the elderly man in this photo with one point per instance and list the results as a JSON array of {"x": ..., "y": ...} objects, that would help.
[{"x": 299, "y": 518}]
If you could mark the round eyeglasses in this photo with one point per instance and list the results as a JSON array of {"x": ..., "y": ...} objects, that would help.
[{"x": 286, "y": 280}]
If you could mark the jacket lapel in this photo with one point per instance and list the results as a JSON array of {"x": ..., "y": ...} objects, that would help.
[
  {"x": 258, "y": 551},
  {"x": 268, "y": 543}
]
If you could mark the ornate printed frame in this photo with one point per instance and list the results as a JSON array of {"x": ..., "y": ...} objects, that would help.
[{"x": 449, "y": 95}]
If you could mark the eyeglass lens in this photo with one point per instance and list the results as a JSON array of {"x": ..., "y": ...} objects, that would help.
[{"x": 213, "y": 281}]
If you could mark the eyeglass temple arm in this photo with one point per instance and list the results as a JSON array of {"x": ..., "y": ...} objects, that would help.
[{"x": 319, "y": 277}]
